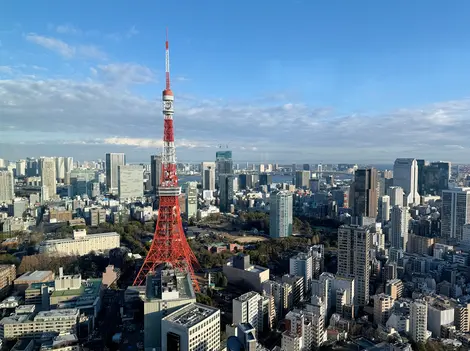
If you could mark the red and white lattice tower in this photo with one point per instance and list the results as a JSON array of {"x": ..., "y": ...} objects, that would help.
[{"x": 169, "y": 243}]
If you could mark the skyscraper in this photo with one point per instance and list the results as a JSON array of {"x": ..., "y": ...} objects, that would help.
[
  {"x": 400, "y": 217},
  {"x": 68, "y": 165},
  {"x": 113, "y": 161},
  {"x": 191, "y": 200},
  {"x": 363, "y": 193},
  {"x": 48, "y": 177},
  {"x": 405, "y": 175},
  {"x": 280, "y": 214},
  {"x": 59, "y": 168},
  {"x": 155, "y": 171},
  {"x": 223, "y": 163},
  {"x": 353, "y": 259},
  {"x": 7, "y": 186},
  {"x": 226, "y": 191},
  {"x": 396, "y": 196},
  {"x": 301, "y": 179},
  {"x": 32, "y": 167},
  {"x": 384, "y": 208},
  {"x": 20, "y": 168},
  {"x": 208, "y": 175},
  {"x": 130, "y": 181},
  {"x": 455, "y": 212}
]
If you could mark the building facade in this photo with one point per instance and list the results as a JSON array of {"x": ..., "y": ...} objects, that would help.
[
  {"x": 130, "y": 181},
  {"x": 113, "y": 161},
  {"x": 280, "y": 214},
  {"x": 7, "y": 186}
]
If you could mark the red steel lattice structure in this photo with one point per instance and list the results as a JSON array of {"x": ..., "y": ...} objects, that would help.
[{"x": 169, "y": 243}]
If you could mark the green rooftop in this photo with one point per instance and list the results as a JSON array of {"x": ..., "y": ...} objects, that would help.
[{"x": 92, "y": 289}]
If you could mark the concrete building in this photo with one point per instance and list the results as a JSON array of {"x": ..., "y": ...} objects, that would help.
[
  {"x": 226, "y": 191},
  {"x": 191, "y": 200},
  {"x": 400, "y": 218},
  {"x": 354, "y": 246},
  {"x": 27, "y": 279},
  {"x": 21, "y": 168},
  {"x": 48, "y": 177},
  {"x": 81, "y": 243},
  {"x": 208, "y": 175},
  {"x": 455, "y": 212},
  {"x": 384, "y": 209},
  {"x": 7, "y": 186},
  {"x": 155, "y": 171},
  {"x": 280, "y": 214},
  {"x": 363, "y": 193},
  {"x": 282, "y": 295},
  {"x": 25, "y": 322},
  {"x": 59, "y": 168},
  {"x": 383, "y": 304},
  {"x": 304, "y": 331},
  {"x": 419, "y": 321},
  {"x": 302, "y": 265},
  {"x": 301, "y": 179},
  {"x": 396, "y": 196},
  {"x": 440, "y": 313},
  {"x": 462, "y": 317},
  {"x": 241, "y": 337},
  {"x": 130, "y": 182},
  {"x": 223, "y": 163},
  {"x": 405, "y": 175},
  {"x": 97, "y": 216},
  {"x": 239, "y": 271},
  {"x": 394, "y": 288},
  {"x": 420, "y": 245},
  {"x": 113, "y": 161},
  {"x": 252, "y": 308},
  {"x": 7, "y": 276},
  {"x": 193, "y": 327}
]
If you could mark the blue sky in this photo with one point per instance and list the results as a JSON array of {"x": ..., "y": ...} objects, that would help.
[{"x": 318, "y": 81}]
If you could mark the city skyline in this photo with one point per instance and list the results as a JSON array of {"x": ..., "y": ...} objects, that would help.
[{"x": 89, "y": 85}]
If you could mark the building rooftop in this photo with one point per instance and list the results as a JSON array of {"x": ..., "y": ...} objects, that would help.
[
  {"x": 63, "y": 312},
  {"x": 247, "y": 296},
  {"x": 256, "y": 269},
  {"x": 36, "y": 275},
  {"x": 49, "y": 284},
  {"x": 191, "y": 314},
  {"x": 89, "y": 288},
  {"x": 87, "y": 237}
]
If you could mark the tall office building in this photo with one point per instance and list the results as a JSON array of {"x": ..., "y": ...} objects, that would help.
[
  {"x": 2, "y": 163},
  {"x": 32, "y": 167},
  {"x": 354, "y": 245},
  {"x": 223, "y": 164},
  {"x": 208, "y": 175},
  {"x": 130, "y": 181},
  {"x": 455, "y": 212},
  {"x": 301, "y": 179},
  {"x": 436, "y": 177},
  {"x": 280, "y": 214},
  {"x": 265, "y": 179},
  {"x": 7, "y": 186},
  {"x": 21, "y": 168},
  {"x": 384, "y": 208},
  {"x": 113, "y": 161},
  {"x": 396, "y": 195},
  {"x": 68, "y": 164},
  {"x": 193, "y": 327},
  {"x": 191, "y": 200},
  {"x": 405, "y": 175},
  {"x": 363, "y": 193},
  {"x": 422, "y": 165},
  {"x": 226, "y": 191},
  {"x": 419, "y": 321},
  {"x": 59, "y": 168},
  {"x": 155, "y": 171},
  {"x": 400, "y": 218},
  {"x": 48, "y": 177}
]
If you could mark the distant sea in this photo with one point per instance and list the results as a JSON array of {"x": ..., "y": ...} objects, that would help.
[{"x": 197, "y": 178}]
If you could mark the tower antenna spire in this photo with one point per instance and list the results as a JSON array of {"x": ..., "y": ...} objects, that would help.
[{"x": 167, "y": 62}]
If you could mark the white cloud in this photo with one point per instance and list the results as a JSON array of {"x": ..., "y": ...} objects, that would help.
[
  {"x": 68, "y": 51},
  {"x": 6, "y": 70},
  {"x": 107, "y": 117},
  {"x": 124, "y": 73},
  {"x": 132, "y": 32},
  {"x": 68, "y": 29}
]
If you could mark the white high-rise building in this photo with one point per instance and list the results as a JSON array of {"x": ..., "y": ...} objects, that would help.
[
  {"x": 405, "y": 175},
  {"x": 7, "y": 186},
  {"x": 191, "y": 200},
  {"x": 354, "y": 244},
  {"x": 400, "y": 219},
  {"x": 60, "y": 168},
  {"x": 384, "y": 208},
  {"x": 20, "y": 168},
  {"x": 2, "y": 163},
  {"x": 193, "y": 327},
  {"x": 251, "y": 308},
  {"x": 302, "y": 266},
  {"x": 280, "y": 214},
  {"x": 48, "y": 177},
  {"x": 396, "y": 195},
  {"x": 113, "y": 161},
  {"x": 455, "y": 212},
  {"x": 419, "y": 321},
  {"x": 208, "y": 175},
  {"x": 68, "y": 163},
  {"x": 130, "y": 181}
]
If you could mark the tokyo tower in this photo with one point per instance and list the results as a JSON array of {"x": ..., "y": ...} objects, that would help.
[{"x": 169, "y": 245}]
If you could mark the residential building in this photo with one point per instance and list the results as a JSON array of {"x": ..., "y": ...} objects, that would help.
[
  {"x": 354, "y": 246},
  {"x": 420, "y": 245},
  {"x": 81, "y": 243},
  {"x": 48, "y": 177},
  {"x": 252, "y": 308},
  {"x": 21, "y": 168},
  {"x": 193, "y": 327},
  {"x": 302, "y": 265},
  {"x": 7, "y": 186},
  {"x": 191, "y": 200},
  {"x": 384, "y": 209},
  {"x": 59, "y": 168},
  {"x": 97, "y": 216},
  {"x": 383, "y": 304},
  {"x": 280, "y": 214},
  {"x": 113, "y": 161},
  {"x": 418, "y": 321},
  {"x": 455, "y": 212},
  {"x": 7, "y": 276},
  {"x": 130, "y": 182},
  {"x": 394, "y": 288},
  {"x": 405, "y": 175}
]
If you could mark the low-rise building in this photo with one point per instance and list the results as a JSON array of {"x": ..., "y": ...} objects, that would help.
[
  {"x": 7, "y": 276},
  {"x": 25, "y": 280},
  {"x": 239, "y": 271}
]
